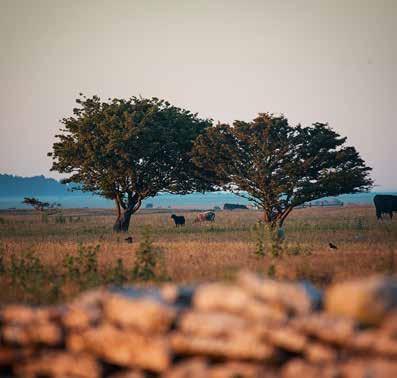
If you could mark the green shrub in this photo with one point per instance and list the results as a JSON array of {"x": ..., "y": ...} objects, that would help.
[
  {"x": 259, "y": 231},
  {"x": 60, "y": 219},
  {"x": 271, "y": 272},
  {"x": 146, "y": 258},
  {"x": 117, "y": 275},
  {"x": 297, "y": 250},
  {"x": 83, "y": 268},
  {"x": 2, "y": 266}
]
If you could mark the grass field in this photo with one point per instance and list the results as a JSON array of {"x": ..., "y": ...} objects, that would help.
[{"x": 45, "y": 259}]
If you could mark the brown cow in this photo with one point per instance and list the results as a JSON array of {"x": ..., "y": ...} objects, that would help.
[{"x": 208, "y": 216}]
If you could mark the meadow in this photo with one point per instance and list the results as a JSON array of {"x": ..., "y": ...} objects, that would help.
[{"x": 50, "y": 258}]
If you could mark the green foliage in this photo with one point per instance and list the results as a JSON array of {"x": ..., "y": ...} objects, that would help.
[
  {"x": 28, "y": 273},
  {"x": 83, "y": 268},
  {"x": 2, "y": 264},
  {"x": 260, "y": 239},
  {"x": 271, "y": 272},
  {"x": 274, "y": 244},
  {"x": 148, "y": 260},
  {"x": 297, "y": 250},
  {"x": 60, "y": 219},
  {"x": 128, "y": 150},
  {"x": 39, "y": 205},
  {"x": 279, "y": 166},
  {"x": 117, "y": 275}
]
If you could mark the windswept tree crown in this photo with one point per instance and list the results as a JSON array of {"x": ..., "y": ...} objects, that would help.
[
  {"x": 124, "y": 149},
  {"x": 278, "y": 165}
]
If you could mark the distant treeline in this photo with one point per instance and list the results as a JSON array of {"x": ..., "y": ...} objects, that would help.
[{"x": 16, "y": 186}]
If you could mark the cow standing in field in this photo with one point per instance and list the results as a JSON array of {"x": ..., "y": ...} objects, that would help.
[
  {"x": 179, "y": 220},
  {"x": 385, "y": 203},
  {"x": 208, "y": 216}
]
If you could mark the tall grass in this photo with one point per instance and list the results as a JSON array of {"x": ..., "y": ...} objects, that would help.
[{"x": 62, "y": 258}]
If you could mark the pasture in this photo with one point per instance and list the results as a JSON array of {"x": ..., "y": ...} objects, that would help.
[{"x": 46, "y": 259}]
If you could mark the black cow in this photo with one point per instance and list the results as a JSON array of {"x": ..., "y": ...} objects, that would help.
[
  {"x": 234, "y": 206},
  {"x": 385, "y": 203},
  {"x": 179, "y": 220}
]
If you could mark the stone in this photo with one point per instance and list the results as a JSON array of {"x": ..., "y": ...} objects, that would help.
[
  {"x": 233, "y": 299},
  {"x": 287, "y": 338},
  {"x": 41, "y": 333},
  {"x": 19, "y": 314},
  {"x": 127, "y": 348},
  {"x": 241, "y": 346},
  {"x": 367, "y": 367},
  {"x": 211, "y": 323},
  {"x": 59, "y": 364},
  {"x": 367, "y": 301},
  {"x": 80, "y": 317},
  {"x": 334, "y": 330},
  {"x": 10, "y": 356},
  {"x": 300, "y": 298},
  {"x": 189, "y": 368},
  {"x": 319, "y": 353},
  {"x": 239, "y": 369},
  {"x": 389, "y": 325},
  {"x": 128, "y": 374},
  {"x": 146, "y": 315},
  {"x": 303, "y": 369}
]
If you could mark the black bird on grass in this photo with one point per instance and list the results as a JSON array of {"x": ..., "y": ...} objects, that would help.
[
  {"x": 128, "y": 240},
  {"x": 332, "y": 246}
]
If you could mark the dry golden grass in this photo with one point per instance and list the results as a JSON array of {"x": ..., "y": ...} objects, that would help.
[{"x": 215, "y": 251}]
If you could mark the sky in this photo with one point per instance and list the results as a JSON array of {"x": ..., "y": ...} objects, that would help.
[{"x": 312, "y": 60}]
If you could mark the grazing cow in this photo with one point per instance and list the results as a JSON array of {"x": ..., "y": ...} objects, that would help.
[
  {"x": 208, "y": 216},
  {"x": 385, "y": 203},
  {"x": 179, "y": 220},
  {"x": 234, "y": 206}
]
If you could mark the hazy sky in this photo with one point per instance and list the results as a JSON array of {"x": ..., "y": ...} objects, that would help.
[{"x": 318, "y": 60}]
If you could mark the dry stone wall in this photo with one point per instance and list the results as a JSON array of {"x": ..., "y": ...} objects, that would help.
[{"x": 252, "y": 328}]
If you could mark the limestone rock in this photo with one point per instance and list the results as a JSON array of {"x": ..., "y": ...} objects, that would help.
[
  {"x": 298, "y": 298},
  {"x": 240, "y": 346},
  {"x": 143, "y": 314},
  {"x": 233, "y": 299},
  {"x": 335, "y": 330},
  {"x": 189, "y": 368},
  {"x": 59, "y": 364},
  {"x": 127, "y": 348},
  {"x": 235, "y": 369},
  {"x": 367, "y": 301},
  {"x": 287, "y": 338},
  {"x": 302, "y": 369},
  {"x": 319, "y": 353},
  {"x": 363, "y": 368},
  {"x": 41, "y": 333},
  {"x": 211, "y": 323},
  {"x": 80, "y": 317}
]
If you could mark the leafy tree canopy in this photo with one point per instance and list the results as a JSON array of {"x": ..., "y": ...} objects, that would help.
[
  {"x": 128, "y": 150},
  {"x": 39, "y": 205},
  {"x": 278, "y": 165}
]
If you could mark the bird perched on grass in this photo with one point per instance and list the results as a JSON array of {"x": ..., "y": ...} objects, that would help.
[
  {"x": 128, "y": 240},
  {"x": 332, "y": 246}
]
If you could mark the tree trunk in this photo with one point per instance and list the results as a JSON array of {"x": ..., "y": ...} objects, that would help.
[
  {"x": 123, "y": 221},
  {"x": 124, "y": 213}
]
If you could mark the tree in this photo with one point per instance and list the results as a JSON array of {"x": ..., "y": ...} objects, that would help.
[
  {"x": 278, "y": 166},
  {"x": 39, "y": 205},
  {"x": 128, "y": 150}
]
